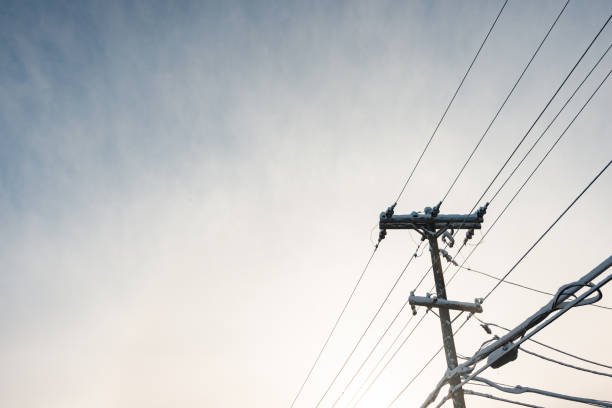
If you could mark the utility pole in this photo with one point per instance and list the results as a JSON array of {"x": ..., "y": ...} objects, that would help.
[{"x": 431, "y": 225}]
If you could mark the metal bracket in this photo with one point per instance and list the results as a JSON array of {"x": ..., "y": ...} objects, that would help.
[{"x": 430, "y": 302}]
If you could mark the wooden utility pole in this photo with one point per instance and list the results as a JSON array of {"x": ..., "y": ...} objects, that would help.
[{"x": 432, "y": 225}]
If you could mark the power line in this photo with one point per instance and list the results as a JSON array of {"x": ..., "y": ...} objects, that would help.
[
  {"x": 533, "y": 171},
  {"x": 497, "y": 114},
  {"x": 505, "y": 100},
  {"x": 333, "y": 328},
  {"x": 552, "y": 121},
  {"x": 549, "y": 228},
  {"x": 501, "y": 280},
  {"x": 522, "y": 286},
  {"x": 554, "y": 95},
  {"x": 425, "y": 366},
  {"x": 548, "y": 346},
  {"x": 390, "y": 359},
  {"x": 511, "y": 269},
  {"x": 380, "y": 360},
  {"x": 521, "y": 390},
  {"x": 543, "y": 110},
  {"x": 452, "y": 100},
  {"x": 493, "y": 397},
  {"x": 400, "y": 194},
  {"x": 552, "y": 360},
  {"x": 384, "y": 333},
  {"x": 561, "y": 308},
  {"x": 367, "y": 328}
]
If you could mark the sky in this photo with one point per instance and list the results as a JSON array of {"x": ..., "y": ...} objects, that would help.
[{"x": 189, "y": 192}]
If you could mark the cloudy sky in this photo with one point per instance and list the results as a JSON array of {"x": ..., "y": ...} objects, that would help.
[{"x": 188, "y": 193}]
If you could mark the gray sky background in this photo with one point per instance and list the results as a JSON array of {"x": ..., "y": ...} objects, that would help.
[{"x": 187, "y": 193}]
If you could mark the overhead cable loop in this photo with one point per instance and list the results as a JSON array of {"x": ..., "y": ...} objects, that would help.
[
  {"x": 552, "y": 360},
  {"x": 451, "y": 101},
  {"x": 493, "y": 397},
  {"x": 333, "y": 328},
  {"x": 518, "y": 80},
  {"x": 366, "y": 329}
]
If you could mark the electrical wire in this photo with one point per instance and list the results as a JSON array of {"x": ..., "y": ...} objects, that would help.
[
  {"x": 545, "y": 108},
  {"x": 537, "y": 329},
  {"x": 531, "y": 174},
  {"x": 421, "y": 156},
  {"x": 451, "y": 101},
  {"x": 518, "y": 80},
  {"x": 521, "y": 390},
  {"x": 366, "y": 329},
  {"x": 333, "y": 328},
  {"x": 493, "y": 397},
  {"x": 552, "y": 121},
  {"x": 539, "y": 116},
  {"x": 393, "y": 343},
  {"x": 548, "y": 346},
  {"x": 520, "y": 259},
  {"x": 549, "y": 228},
  {"x": 380, "y": 361},
  {"x": 425, "y": 366},
  {"x": 552, "y": 360},
  {"x": 379, "y": 339},
  {"x": 501, "y": 280},
  {"x": 522, "y": 286},
  {"x": 392, "y": 356}
]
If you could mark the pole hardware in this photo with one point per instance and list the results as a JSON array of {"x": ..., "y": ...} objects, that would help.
[
  {"x": 432, "y": 301},
  {"x": 431, "y": 225}
]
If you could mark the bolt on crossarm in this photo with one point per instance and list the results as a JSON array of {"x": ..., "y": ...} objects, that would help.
[{"x": 431, "y": 225}]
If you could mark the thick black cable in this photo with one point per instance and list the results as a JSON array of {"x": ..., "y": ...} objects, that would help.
[
  {"x": 346, "y": 360},
  {"x": 451, "y": 101},
  {"x": 505, "y": 100},
  {"x": 333, "y": 328}
]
